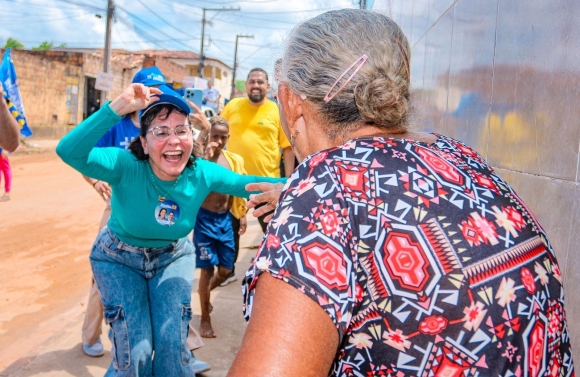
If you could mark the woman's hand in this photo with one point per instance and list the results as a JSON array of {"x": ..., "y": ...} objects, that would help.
[
  {"x": 269, "y": 198},
  {"x": 103, "y": 189},
  {"x": 198, "y": 120},
  {"x": 136, "y": 97}
]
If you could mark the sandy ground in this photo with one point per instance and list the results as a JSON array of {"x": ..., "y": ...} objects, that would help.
[{"x": 46, "y": 231}]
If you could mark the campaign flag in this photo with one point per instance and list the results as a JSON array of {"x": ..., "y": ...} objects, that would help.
[{"x": 12, "y": 93}]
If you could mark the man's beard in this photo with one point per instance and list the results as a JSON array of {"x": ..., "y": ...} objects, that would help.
[{"x": 256, "y": 98}]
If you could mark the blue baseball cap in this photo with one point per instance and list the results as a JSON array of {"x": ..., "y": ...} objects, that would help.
[
  {"x": 167, "y": 97},
  {"x": 149, "y": 77}
]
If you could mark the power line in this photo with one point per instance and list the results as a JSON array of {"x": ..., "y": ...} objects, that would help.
[
  {"x": 243, "y": 19},
  {"x": 216, "y": 46},
  {"x": 244, "y": 44},
  {"x": 100, "y": 42},
  {"x": 43, "y": 19},
  {"x": 88, "y": 6},
  {"x": 264, "y": 19},
  {"x": 120, "y": 37},
  {"x": 164, "y": 21},
  {"x": 242, "y": 1},
  {"x": 139, "y": 31},
  {"x": 11, "y": 15},
  {"x": 182, "y": 2},
  {"x": 266, "y": 27},
  {"x": 38, "y": 5},
  {"x": 150, "y": 26},
  {"x": 252, "y": 54},
  {"x": 294, "y": 11}
]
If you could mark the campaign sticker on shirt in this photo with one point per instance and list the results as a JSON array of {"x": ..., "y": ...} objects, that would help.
[{"x": 167, "y": 213}]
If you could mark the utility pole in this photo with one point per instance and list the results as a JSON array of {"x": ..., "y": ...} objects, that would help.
[
  {"x": 203, "y": 22},
  {"x": 236, "y": 64},
  {"x": 107, "y": 53}
]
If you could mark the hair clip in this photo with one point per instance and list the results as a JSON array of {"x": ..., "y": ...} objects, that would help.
[
  {"x": 362, "y": 61},
  {"x": 404, "y": 56}
]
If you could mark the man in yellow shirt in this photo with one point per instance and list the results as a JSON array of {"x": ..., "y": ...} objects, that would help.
[
  {"x": 256, "y": 134},
  {"x": 255, "y": 130}
]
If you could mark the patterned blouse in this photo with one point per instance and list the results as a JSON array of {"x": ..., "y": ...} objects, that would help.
[{"x": 427, "y": 262}]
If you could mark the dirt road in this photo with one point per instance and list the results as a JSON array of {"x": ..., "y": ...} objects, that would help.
[{"x": 46, "y": 231}]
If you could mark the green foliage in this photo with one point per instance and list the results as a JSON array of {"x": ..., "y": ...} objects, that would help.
[
  {"x": 46, "y": 45},
  {"x": 14, "y": 44}
]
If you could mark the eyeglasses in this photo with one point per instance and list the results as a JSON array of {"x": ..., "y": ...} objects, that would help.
[{"x": 162, "y": 133}]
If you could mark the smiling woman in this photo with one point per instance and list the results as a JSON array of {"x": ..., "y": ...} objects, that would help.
[{"x": 142, "y": 261}]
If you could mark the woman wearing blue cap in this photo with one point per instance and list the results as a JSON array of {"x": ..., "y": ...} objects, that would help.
[{"x": 144, "y": 267}]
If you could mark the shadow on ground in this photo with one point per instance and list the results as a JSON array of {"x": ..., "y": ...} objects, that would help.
[{"x": 71, "y": 361}]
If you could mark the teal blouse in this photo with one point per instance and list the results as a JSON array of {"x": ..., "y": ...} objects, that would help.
[{"x": 137, "y": 216}]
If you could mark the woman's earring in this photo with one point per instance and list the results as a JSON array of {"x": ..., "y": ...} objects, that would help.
[{"x": 292, "y": 137}]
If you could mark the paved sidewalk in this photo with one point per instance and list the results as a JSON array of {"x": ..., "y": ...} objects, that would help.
[{"x": 60, "y": 353}]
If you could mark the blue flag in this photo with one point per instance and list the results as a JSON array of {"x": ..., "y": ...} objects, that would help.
[{"x": 12, "y": 93}]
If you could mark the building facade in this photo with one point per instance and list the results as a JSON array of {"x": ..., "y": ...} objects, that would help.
[{"x": 58, "y": 86}]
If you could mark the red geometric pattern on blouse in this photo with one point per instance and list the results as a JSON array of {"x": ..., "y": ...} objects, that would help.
[{"x": 427, "y": 262}]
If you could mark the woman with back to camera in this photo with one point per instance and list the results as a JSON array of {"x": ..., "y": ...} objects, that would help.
[
  {"x": 391, "y": 252},
  {"x": 143, "y": 266}
]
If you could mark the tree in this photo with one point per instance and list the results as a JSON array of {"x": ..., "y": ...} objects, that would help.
[
  {"x": 13, "y": 43},
  {"x": 46, "y": 45}
]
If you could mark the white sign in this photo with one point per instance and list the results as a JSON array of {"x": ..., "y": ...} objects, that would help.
[
  {"x": 104, "y": 82},
  {"x": 194, "y": 82}
]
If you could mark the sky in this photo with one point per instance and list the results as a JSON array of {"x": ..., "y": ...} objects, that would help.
[{"x": 165, "y": 25}]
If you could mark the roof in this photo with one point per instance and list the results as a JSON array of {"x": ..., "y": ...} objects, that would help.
[
  {"x": 133, "y": 57},
  {"x": 177, "y": 54},
  {"x": 170, "y": 54}
]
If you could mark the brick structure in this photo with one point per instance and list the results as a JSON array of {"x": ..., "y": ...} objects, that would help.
[{"x": 57, "y": 86}]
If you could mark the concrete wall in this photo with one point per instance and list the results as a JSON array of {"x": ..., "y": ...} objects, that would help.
[{"x": 504, "y": 76}]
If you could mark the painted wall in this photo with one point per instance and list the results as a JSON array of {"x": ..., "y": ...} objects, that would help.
[{"x": 504, "y": 77}]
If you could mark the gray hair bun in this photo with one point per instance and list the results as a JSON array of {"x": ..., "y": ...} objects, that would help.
[{"x": 382, "y": 100}]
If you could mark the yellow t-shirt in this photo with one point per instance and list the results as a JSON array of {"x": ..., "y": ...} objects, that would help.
[
  {"x": 256, "y": 135},
  {"x": 238, "y": 208}
]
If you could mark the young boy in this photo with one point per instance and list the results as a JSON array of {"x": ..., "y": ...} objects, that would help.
[{"x": 213, "y": 234}]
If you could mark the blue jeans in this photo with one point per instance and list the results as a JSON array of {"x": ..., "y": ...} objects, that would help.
[{"x": 146, "y": 295}]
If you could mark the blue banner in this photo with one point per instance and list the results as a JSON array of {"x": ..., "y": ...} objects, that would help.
[{"x": 12, "y": 93}]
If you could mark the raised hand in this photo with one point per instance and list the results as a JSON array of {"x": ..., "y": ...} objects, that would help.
[
  {"x": 197, "y": 119},
  {"x": 136, "y": 97}
]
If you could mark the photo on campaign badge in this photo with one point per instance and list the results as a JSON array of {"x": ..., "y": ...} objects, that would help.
[{"x": 167, "y": 213}]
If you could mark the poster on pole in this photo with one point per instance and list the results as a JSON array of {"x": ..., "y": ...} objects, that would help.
[{"x": 104, "y": 82}]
